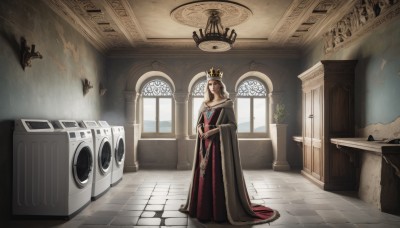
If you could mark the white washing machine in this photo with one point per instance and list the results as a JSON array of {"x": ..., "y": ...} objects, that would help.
[
  {"x": 118, "y": 136},
  {"x": 102, "y": 150},
  {"x": 52, "y": 169}
]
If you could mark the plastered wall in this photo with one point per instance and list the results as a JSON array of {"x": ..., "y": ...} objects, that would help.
[
  {"x": 377, "y": 80},
  {"x": 52, "y": 87}
]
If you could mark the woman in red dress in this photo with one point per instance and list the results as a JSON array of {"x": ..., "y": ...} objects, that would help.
[{"x": 218, "y": 191}]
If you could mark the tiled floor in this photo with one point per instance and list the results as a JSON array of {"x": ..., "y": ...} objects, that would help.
[{"x": 151, "y": 199}]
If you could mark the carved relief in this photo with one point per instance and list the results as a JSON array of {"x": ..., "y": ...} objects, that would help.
[{"x": 364, "y": 14}]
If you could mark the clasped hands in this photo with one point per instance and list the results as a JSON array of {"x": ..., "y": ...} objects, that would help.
[{"x": 207, "y": 134}]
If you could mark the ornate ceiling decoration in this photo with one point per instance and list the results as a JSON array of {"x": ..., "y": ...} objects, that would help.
[
  {"x": 113, "y": 25},
  {"x": 213, "y": 18},
  {"x": 195, "y": 14}
]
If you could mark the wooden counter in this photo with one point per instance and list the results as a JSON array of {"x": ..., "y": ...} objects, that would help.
[
  {"x": 378, "y": 171},
  {"x": 361, "y": 143}
]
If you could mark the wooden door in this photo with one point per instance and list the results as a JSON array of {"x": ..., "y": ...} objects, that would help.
[
  {"x": 307, "y": 134},
  {"x": 316, "y": 131}
]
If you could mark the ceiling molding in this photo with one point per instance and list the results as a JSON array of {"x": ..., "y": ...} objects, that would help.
[
  {"x": 292, "y": 19},
  {"x": 122, "y": 13},
  {"x": 67, "y": 14},
  {"x": 195, "y": 53}
]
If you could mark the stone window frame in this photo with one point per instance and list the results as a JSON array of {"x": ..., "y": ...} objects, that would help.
[
  {"x": 157, "y": 134},
  {"x": 253, "y": 134}
]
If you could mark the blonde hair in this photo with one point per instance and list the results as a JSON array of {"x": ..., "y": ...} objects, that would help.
[{"x": 208, "y": 96}]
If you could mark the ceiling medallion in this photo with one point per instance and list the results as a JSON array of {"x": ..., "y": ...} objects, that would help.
[{"x": 214, "y": 37}]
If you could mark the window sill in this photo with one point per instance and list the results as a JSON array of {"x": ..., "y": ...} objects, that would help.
[
  {"x": 243, "y": 139},
  {"x": 252, "y": 136},
  {"x": 155, "y": 138},
  {"x": 254, "y": 139}
]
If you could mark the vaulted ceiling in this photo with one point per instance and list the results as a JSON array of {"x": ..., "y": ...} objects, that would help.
[{"x": 136, "y": 24}]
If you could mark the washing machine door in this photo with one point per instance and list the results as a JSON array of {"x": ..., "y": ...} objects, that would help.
[
  {"x": 119, "y": 151},
  {"x": 104, "y": 156},
  {"x": 82, "y": 164}
]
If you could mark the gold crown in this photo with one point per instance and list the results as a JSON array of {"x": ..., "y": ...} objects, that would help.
[{"x": 214, "y": 74}]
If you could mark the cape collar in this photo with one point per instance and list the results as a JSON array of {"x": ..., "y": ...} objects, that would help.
[{"x": 225, "y": 104}]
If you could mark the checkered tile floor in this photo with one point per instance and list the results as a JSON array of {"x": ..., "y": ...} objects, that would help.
[{"x": 151, "y": 198}]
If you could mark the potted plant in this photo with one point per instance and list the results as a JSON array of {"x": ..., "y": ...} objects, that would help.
[{"x": 280, "y": 113}]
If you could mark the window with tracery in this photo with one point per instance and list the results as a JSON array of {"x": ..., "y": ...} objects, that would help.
[
  {"x": 157, "y": 107},
  {"x": 252, "y": 88},
  {"x": 251, "y": 106},
  {"x": 156, "y": 87},
  {"x": 197, "y": 95}
]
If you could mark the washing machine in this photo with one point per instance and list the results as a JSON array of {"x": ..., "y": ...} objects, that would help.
[
  {"x": 118, "y": 139},
  {"x": 52, "y": 169},
  {"x": 102, "y": 149}
]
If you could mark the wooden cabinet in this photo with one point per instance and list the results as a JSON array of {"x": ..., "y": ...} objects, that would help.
[{"x": 328, "y": 112}]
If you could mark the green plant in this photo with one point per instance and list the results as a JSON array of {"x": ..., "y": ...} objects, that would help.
[{"x": 280, "y": 113}]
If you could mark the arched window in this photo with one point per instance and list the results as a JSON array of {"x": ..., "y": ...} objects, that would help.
[
  {"x": 197, "y": 95},
  {"x": 251, "y": 107},
  {"x": 157, "y": 107}
]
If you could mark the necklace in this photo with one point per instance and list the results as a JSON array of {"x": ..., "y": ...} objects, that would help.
[{"x": 209, "y": 112}]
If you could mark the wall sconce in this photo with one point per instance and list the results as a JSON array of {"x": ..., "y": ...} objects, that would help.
[
  {"x": 102, "y": 89},
  {"x": 27, "y": 54},
  {"x": 86, "y": 86}
]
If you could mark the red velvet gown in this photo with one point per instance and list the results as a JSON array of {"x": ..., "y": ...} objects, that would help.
[{"x": 208, "y": 197}]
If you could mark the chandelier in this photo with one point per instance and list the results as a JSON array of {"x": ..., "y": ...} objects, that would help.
[{"x": 215, "y": 38}]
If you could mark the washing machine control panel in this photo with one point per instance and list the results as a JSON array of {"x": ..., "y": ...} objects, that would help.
[
  {"x": 31, "y": 125},
  {"x": 65, "y": 124},
  {"x": 80, "y": 134},
  {"x": 89, "y": 124},
  {"x": 103, "y": 123}
]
